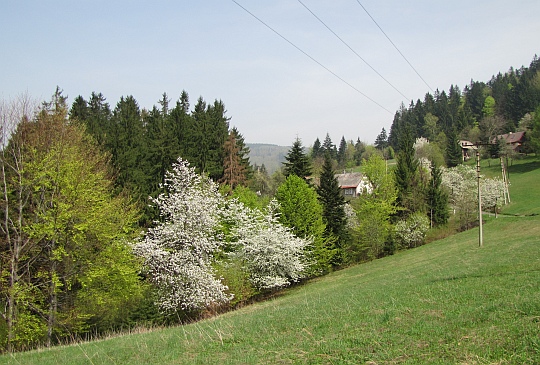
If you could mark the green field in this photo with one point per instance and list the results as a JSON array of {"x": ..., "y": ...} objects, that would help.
[{"x": 448, "y": 302}]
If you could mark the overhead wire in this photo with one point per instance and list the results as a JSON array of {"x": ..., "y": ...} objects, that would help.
[
  {"x": 312, "y": 58},
  {"x": 348, "y": 46},
  {"x": 393, "y": 44}
]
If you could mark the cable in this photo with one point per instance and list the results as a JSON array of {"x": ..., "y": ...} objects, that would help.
[
  {"x": 310, "y": 57},
  {"x": 345, "y": 43},
  {"x": 387, "y": 37}
]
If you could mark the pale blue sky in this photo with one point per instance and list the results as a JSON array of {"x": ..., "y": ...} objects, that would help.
[{"x": 272, "y": 91}]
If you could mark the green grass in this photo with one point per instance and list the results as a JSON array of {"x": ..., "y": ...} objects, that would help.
[
  {"x": 524, "y": 178},
  {"x": 448, "y": 302}
]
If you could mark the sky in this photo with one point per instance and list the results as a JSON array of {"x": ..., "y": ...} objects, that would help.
[{"x": 288, "y": 78}]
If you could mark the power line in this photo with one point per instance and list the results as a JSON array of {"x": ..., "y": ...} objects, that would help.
[
  {"x": 397, "y": 49},
  {"x": 310, "y": 57},
  {"x": 348, "y": 46}
]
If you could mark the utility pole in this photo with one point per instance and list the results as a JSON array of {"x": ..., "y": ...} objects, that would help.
[
  {"x": 480, "y": 233},
  {"x": 478, "y": 177}
]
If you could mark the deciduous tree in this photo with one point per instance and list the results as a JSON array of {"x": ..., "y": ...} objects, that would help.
[
  {"x": 301, "y": 211},
  {"x": 374, "y": 209},
  {"x": 178, "y": 252}
]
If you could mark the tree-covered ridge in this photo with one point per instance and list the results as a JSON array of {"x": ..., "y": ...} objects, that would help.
[{"x": 479, "y": 112}]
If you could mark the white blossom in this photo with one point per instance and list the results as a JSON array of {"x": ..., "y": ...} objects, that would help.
[
  {"x": 420, "y": 142},
  {"x": 461, "y": 183},
  {"x": 178, "y": 252},
  {"x": 412, "y": 231},
  {"x": 272, "y": 255}
]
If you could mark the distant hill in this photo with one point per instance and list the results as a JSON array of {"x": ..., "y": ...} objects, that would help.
[{"x": 270, "y": 155}]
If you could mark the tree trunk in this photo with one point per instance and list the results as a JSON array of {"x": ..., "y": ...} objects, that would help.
[{"x": 53, "y": 297}]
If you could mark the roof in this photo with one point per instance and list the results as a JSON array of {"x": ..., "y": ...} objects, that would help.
[
  {"x": 511, "y": 138},
  {"x": 349, "y": 180},
  {"x": 467, "y": 144}
]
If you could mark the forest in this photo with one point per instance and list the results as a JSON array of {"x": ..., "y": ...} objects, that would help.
[{"x": 117, "y": 217}]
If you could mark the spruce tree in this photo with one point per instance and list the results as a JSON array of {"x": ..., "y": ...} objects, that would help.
[
  {"x": 342, "y": 152},
  {"x": 316, "y": 149},
  {"x": 437, "y": 198},
  {"x": 359, "y": 149},
  {"x": 333, "y": 204},
  {"x": 243, "y": 151},
  {"x": 381, "y": 142},
  {"x": 453, "y": 150},
  {"x": 329, "y": 147},
  {"x": 406, "y": 171},
  {"x": 234, "y": 173},
  {"x": 297, "y": 162}
]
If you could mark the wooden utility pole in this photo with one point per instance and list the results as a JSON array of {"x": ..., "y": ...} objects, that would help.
[{"x": 480, "y": 233}]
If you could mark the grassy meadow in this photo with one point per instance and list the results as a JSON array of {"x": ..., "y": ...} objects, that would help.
[{"x": 448, "y": 302}]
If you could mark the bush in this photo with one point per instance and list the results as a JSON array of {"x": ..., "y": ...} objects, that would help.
[
  {"x": 237, "y": 279},
  {"x": 411, "y": 232}
]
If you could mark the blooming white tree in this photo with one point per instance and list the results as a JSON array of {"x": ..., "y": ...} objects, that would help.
[
  {"x": 411, "y": 232},
  {"x": 461, "y": 184},
  {"x": 178, "y": 252},
  {"x": 271, "y": 254}
]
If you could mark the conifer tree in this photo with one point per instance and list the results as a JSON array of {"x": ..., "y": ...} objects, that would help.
[
  {"x": 333, "y": 203},
  {"x": 359, "y": 148},
  {"x": 297, "y": 162},
  {"x": 329, "y": 147},
  {"x": 243, "y": 152},
  {"x": 406, "y": 172},
  {"x": 453, "y": 150},
  {"x": 342, "y": 152},
  {"x": 316, "y": 149},
  {"x": 437, "y": 198},
  {"x": 234, "y": 172},
  {"x": 381, "y": 142}
]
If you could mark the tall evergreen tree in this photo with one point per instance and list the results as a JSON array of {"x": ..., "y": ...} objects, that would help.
[
  {"x": 333, "y": 203},
  {"x": 474, "y": 98},
  {"x": 219, "y": 131},
  {"x": 162, "y": 144},
  {"x": 297, "y": 162},
  {"x": 381, "y": 142},
  {"x": 359, "y": 148},
  {"x": 329, "y": 147},
  {"x": 79, "y": 110},
  {"x": 316, "y": 149},
  {"x": 406, "y": 172},
  {"x": 211, "y": 128},
  {"x": 183, "y": 126},
  {"x": 243, "y": 151},
  {"x": 453, "y": 150},
  {"x": 437, "y": 198},
  {"x": 342, "y": 152},
  {"x": 234, "y": 173}
]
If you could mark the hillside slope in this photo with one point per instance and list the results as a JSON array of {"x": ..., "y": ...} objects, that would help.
[
  {"x": 271, "y": 155},
  {"x": 449, "y": 302}
]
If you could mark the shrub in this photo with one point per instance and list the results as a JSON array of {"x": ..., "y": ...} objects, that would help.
[{"x": 411, "y": 232}]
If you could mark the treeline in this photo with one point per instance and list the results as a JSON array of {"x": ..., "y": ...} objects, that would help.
[{"x": 143, "y": 144}]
